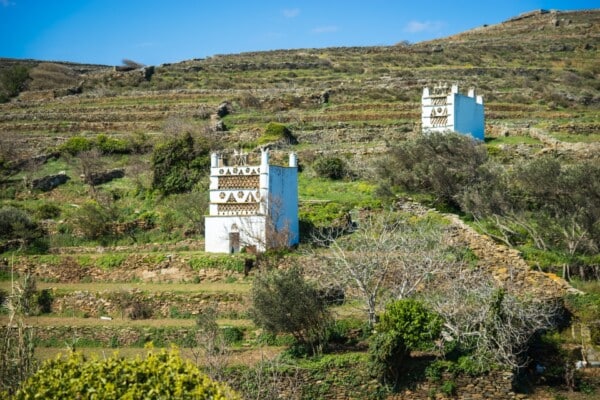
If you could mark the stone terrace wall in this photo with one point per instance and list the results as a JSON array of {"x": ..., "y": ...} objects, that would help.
[
  {"x": 505, "y": 264},
  {"x": 496, "y": 385}
]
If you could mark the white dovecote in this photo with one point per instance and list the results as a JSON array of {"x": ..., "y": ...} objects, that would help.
[
  {"x": 248, "y": 201},
  {"x": 444, "y": 109}
]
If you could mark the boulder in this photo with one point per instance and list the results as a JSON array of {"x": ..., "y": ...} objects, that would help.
[
  {"x": 99, "y": 178},
  {"x": 223, "y": 109},
  {"x": 49, "y": 182}
]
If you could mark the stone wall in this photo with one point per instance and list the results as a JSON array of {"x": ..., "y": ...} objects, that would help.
[
  {"x": 162, "y": 304},
  {"x": 495, "y": 385}
]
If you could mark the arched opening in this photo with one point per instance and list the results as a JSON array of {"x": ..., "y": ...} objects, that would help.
[{"x": 234, "y": 239}]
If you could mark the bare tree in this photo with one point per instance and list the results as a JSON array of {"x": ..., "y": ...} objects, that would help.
[
  {"x": 270, "y": 379},
  {"x": 386, "y": 256},
  {"x": 139, "y": 171},
  {"x": 272, "y": 232},
  {"x": 90, "y": 163},
  {"x": 212, "y": 346},
  {"x": 491, "y": 322},
  {"x": 17, "y": 344}
]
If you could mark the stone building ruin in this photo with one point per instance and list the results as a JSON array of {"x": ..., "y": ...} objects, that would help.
[
  {"x": 444, "y": 109},
  {"x": 251, "y": 206}
]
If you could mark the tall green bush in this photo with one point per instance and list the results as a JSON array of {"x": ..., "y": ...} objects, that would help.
[
  {"x": 438, "y": 163},
  {"x": 405, "y": 325},
  {"x": 179, "y": 163},
  {"x": 330, "y": 167},
  {"x": 284, "y": 302},
  {"x": 18, "y": 227}
]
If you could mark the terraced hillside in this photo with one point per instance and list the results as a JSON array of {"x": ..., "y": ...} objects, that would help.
[
  {"x": 126, "y": 251},
  {"x": 537, "y": 70}
]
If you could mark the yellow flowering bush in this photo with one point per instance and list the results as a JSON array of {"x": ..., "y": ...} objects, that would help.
[{"x": 159, "y": 375}]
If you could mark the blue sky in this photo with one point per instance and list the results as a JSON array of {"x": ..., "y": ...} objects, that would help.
[{"x": 159, "y": 31}]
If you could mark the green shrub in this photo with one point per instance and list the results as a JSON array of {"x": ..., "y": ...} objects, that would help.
[
  {"x": 48, "y": 211},
  {"x": 162, "y": 375},
  {"x": 75, "y": 145},
  {"x": 448, "y": 388},
  {"x": 44, "y": 301},
  {"x": 284, "y": 302},
  {"x": 232, "y": 334},
  {"x": 17, "y": 226},
  {"x": 330, "y": 167},
  {"x": 405, "y": 325},
  {"x": 109, "y": 145},
  {"x": 178, "y": 164},
  {"x": 94, "y": 220},
  {"x": 12, "y": 81},
  {"x": 275, "y": 132},
  {"x": 438, "y": 163}
]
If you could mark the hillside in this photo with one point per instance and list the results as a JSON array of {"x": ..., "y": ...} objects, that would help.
[
  {"x": 539, "y": 70},
  {"x": 131, "y": 251}
]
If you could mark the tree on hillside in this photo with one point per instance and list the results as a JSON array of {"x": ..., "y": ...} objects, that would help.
[
  {"x": 542, "y": 202},
  {"x": 442, "y": 164},
  {"x": 12, "y": 81},
  {"x": 284, "y": 302},
  {"x": 491, "y": 323},
  {"x": 179, "y": 163},
  {"x": 405, "y": 326},
  {"x": 90, "y": 163},
  {"x": 388, "y": 255}
]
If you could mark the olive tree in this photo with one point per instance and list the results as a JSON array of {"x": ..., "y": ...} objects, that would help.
[
  {"x": 284, "y": 302},
  {"x": 441, "y": 164}
]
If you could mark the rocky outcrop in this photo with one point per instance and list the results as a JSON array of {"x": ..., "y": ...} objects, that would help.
[
  {"x": 98, "y": 178},
  {"x": 49, "y": 182}
]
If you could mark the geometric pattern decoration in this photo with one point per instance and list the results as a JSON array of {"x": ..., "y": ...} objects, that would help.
[
  {"x": 439, "y": 101},
  {"x": 439, "y": 116},
  {"x": 439, "y": 121},
  {"x": 237, "y": 209},
  {"x": 239, "y": 182}
]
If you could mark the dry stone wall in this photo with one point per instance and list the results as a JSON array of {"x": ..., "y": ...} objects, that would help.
[
  {"x": 495, "y": 385},
  {"x": 162, "y": 304},
  {"x": 505, "y": 264}
]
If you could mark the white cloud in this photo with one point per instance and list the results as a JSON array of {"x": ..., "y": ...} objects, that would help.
[
  {"x": 291, "y": 12},
  {"x": 427, "y": 26},
  {"x": 326, "y": 29}
]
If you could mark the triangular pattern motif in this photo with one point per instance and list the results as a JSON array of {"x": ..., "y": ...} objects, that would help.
[{"x": 250, "y": 198}]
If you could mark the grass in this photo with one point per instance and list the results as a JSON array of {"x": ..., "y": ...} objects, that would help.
[
  {"x": 237, "y": 356},
  {"x": 208, "y": 287},
  {"x": 512, "y": 140},
  {"x": 47, "y": 321},
  {"x": 349, "y": 193},
  {"x": 570, "y": 138}
]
